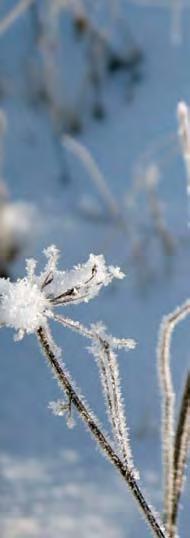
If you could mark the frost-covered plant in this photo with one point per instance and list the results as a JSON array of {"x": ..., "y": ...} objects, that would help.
[
  {"x": 27, "y": 306},
  {"x": 175, "y": 437}
]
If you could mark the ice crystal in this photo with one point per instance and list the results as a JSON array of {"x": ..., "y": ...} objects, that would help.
[
  {"x": 58, "y": 408},
  {"x": 22, "y": 305},
  {"x": 116, "y": 272}
]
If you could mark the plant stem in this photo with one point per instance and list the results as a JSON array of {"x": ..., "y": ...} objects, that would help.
[
  {"x": 98, "y": 435},
  {"x": 167, "y": 328},
  {"x": 181, "y": 447}
]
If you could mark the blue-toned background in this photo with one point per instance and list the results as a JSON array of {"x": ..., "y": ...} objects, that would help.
[{"x": 54, "y": 482}]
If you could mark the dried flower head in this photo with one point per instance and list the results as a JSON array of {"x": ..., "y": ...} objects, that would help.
[{"x": 26, "y": 304}]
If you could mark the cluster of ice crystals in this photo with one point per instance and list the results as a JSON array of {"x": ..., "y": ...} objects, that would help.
[
  {"x": 25, "y": 304},
  {"x": 58, "y": 408},
  {"x": 116, "y": 272},
  {"x": 85, "y": 280},
  {"x": 22, "y": 305},
  {"x": 30, "y": 267},
  {"x": 52, "y": 255}
]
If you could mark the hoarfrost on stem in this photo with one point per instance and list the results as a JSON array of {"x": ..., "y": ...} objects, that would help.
[{"x": 26, "y": 306}]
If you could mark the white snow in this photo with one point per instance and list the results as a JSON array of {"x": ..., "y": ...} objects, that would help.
[{"x": 22, "y": 305}]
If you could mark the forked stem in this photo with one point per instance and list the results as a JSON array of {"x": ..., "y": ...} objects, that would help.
[{"x": 100, "y": 438}]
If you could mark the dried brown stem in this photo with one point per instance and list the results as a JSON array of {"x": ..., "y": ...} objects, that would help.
[
  {"x": 168, "y": 398},
  {"x": 181, "y": 447},
  {"x": 101, "y": 440},
  {"x": 116, "y": 411}
]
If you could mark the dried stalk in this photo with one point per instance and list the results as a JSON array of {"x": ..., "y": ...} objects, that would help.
[
  {"x": 108, "y": 362},
  {"x": 181, "y": 447},
  {"x": 101, "y": 440},
  {"x": 109, "y": 373},
  {"x": 168, "y": 398}
]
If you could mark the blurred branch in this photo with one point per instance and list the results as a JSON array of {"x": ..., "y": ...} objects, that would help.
[
  {"x": 14, "y": 14},
  {"x": 95, "y": 174}
]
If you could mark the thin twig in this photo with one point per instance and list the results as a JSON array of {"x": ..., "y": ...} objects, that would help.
[
  {"x": 181, "y": 447},
  {"x": 107, "y": 363},
  {"x": 101, "y": 440}
]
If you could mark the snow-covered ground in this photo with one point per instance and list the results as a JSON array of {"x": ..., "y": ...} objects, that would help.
[{"x": 54, "y": 482}]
